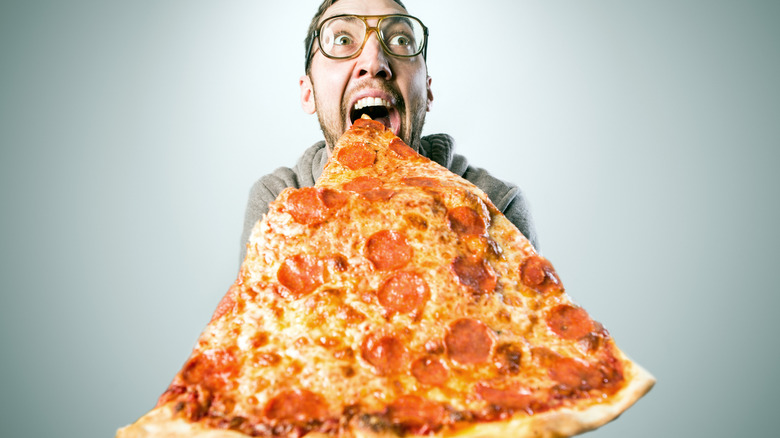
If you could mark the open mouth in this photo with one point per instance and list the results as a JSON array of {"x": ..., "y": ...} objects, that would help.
[{"x": 376, "y": 108}]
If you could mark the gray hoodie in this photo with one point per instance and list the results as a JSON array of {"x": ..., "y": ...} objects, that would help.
[{"x": 438, "y": 147}]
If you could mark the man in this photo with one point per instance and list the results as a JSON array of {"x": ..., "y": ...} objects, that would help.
[{"x": 368, "y": 56}]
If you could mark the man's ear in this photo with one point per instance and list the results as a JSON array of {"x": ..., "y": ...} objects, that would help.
[
  {"x": 430, "y": 94},
  {"x": 307, "y": 95}
]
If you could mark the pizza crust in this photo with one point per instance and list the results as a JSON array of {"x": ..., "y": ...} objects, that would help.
[
  {"x": 161, "y": 422},
  {"x": 569, "y": 421}
]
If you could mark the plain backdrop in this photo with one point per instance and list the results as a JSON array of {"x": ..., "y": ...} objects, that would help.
[{"x": 645, "y": 136}]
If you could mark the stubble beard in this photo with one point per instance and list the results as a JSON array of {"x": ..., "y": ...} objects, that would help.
[
  {"x": 331, "y": 129},
  {"x": 414, "y": 137}
]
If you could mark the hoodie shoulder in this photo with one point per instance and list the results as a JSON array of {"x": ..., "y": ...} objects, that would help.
[{"x": 507, "y": 197}]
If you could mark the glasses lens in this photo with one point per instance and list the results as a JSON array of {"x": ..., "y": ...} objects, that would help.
[
  {"x": 342, "y": 37},
  {"x": 403, "y": 36}
]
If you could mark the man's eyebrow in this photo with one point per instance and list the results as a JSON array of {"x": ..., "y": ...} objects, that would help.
[
  {"x": 327, "y": 17},
  {"x": 403, "y": 20}
]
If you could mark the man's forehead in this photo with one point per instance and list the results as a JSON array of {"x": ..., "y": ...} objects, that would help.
[{"x": 361, "y": 7}]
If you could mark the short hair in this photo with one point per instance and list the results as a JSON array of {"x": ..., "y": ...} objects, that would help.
[{"x": 313, "y": 26}]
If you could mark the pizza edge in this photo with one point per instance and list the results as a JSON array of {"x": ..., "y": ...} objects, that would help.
[
  {"x": 570, "y": 421},
  {"x": 162, "y": 423}
]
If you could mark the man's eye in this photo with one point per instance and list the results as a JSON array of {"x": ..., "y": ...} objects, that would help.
[
  {"x": 400, "y": 40},
  {"x": 342, "y": 40}
]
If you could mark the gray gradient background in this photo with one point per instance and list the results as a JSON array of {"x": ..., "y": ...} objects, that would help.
[{"x": 645, "y": 135}]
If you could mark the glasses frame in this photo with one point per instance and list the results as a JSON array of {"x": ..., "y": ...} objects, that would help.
[{"x": 317, "y": 34}]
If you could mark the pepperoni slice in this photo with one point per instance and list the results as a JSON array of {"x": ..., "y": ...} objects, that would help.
[
  {"x": 306, "y": 206},
  {"x": 297, "y": 406},
  {"x": 356, "y": 156},
  {"x": 378, "y": 195},
  {"x": 363, "y": 184},
  {"x": 421, "y": 181},
  {"x": 301, "y": 274},
  {"x": 569, "y": 322},
  {"x": 417, "y": 413},
  {"x": 310, "y": 205},
  {"x": 333, "y": 199},
  {"x": 388, "y": 250},
  {"x": 506, "y": 399},
  {"x": 475, "y": 274},
  {"x": 403, "y": 292},
  {"x": 430, "y": 371},
  {"x": 211, "y": 369},
  {"x": 468, "y": 341},
  {"x": 576, "y": 375},
  {"x": 538, "y": 273},
  {"x": 402, "y": 149},
  {"x": 386, "y": 353},
  {"x": 544, "y": 356},
  {"x": 369, "y": 123},
  {"x": 465, "y": 221}
]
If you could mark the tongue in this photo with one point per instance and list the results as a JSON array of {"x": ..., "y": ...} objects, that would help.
[{"x": 384, "y": 120}]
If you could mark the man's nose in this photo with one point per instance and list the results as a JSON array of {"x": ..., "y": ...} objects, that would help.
[{"x": 373, "y": 61}]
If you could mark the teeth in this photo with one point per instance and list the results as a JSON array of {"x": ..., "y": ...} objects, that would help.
[{"x": 371, "y": 101}]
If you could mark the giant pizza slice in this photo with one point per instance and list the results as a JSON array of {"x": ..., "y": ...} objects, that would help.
[{"x": 393, "y": 299}]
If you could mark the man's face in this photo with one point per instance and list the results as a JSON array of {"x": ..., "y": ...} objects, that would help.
[{"x": 335, "y": 87}]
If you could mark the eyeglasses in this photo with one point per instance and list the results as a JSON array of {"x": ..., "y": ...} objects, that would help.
[{"x": 344, "y": 36}]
